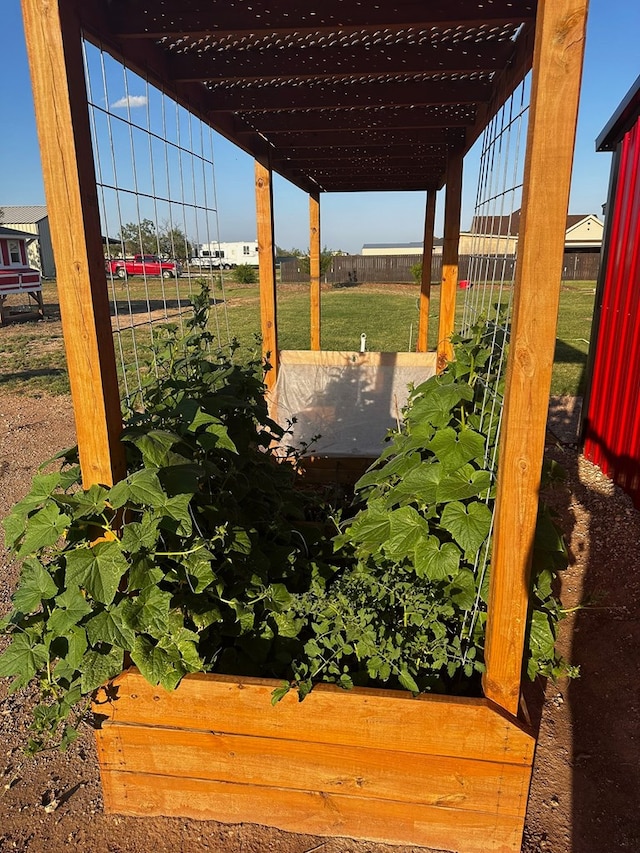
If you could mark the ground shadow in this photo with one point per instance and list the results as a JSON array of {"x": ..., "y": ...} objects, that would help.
[{"x": 604, "y": 701}]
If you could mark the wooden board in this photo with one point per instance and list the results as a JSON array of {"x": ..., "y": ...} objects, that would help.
[
  {"x": 267, "y": 262},
  {"x": 380, "y": 773},
  {"x": 433, "y": 725},
  {"x": 559, "y": 47},
  {"x": 373, "y": 764},
  {"x": 314, "y": 268},
  {"x": 372, "y": 359},
  {"x": 425, "y": 280},
  {"x": 448, "y": 288},
  {"x": 313, "y": 812}
]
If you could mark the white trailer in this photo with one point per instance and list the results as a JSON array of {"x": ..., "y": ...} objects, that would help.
[{"x": 227, "y": 255}]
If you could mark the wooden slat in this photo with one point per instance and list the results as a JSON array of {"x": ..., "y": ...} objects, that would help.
[
  {"x": 314, "y": 268},
  {"x": 448, "y": 287},
  {"x": 425, "y": 279},
  {"x": 55, "y": 56},
  {"x": 364, "y": 118},
  {"x": 266, "y": 259},
  {"x": 311, "y": 63},
  {"x": 432, "y": 725},
  {"x": 557, "y": 67},
  {"x": 315, "y": 813},
  {"x": 384, "y": 774},
  {"x": 331, "y": 357},
  {"x": 134, "y": 22}
]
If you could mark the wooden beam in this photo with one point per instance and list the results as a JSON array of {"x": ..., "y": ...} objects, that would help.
[
  {"x": 267, "y": 19},
  {"x": 288, "y": 96},
  {"x": 559, "y": 48},
  {"x": 314, "y": 267},
  {"x": 316, "y": 63},
  {"x": 267, "y": 262},
  {"x": 425, "y": 281},
  {"x": 431, "y": 138},
  {"x": 389, "y": 118},
  {"x": 54, "y": 49},
  {"x": 449, "y": 284}
]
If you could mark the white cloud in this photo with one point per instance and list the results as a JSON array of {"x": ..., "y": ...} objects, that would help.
[{"x": 130, "y": 101}]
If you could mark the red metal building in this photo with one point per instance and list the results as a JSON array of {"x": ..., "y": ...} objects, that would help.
[{"x": 611, "y": 412}]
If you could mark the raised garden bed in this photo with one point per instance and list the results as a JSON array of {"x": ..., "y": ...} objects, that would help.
[{"x": 443, "y": 772}]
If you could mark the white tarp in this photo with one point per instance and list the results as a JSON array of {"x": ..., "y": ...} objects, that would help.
[{"x": 350, "y": 399}]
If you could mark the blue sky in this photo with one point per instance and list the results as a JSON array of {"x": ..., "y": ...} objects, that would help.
[{"x": 612, "y": 63}]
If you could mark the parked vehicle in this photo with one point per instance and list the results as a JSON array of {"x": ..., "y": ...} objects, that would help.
[
  {"x": 229, "y": 255},
  {"x": 147, "y": 265},
  {"x": 209, "y": 262}
]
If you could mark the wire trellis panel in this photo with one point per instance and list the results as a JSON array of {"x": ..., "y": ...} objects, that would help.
[
  {"x": 488, "y": 296},
  {"x": 154, "y": 164}
]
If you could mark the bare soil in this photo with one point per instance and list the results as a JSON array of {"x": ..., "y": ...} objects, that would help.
[{"x": 586, "y": 781}]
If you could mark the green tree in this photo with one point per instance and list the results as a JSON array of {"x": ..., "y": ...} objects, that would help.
[
  {"x": 146, "y": 238},
  {"x": 326, "y": 257},
  {"x": 245, "y": 274}
]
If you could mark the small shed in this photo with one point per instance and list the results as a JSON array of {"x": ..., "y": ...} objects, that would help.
[
  {"x": 611, "y": 419},
  {"x": 33, "y": 219},
  {"x": 16, "y": 276}
]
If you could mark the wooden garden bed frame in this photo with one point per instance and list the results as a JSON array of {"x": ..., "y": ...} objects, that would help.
[{"x": 472, "y": 757}]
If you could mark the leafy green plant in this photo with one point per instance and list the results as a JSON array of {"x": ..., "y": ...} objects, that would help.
[
  {"x": 245, "y": 274},
  {"x": 204, "y": 557},
  {"x": 409, "y": 606},
  {"x": 187, "y": 564}
]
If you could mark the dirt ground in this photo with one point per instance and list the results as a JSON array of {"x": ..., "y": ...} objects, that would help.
[{"x": 586, "y": 781}]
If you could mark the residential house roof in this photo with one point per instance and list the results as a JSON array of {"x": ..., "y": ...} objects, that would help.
[
  {"x": 27, "y": 213},
  {"x": 13, "y": 233},
  {"x": 509, "y": 225}
]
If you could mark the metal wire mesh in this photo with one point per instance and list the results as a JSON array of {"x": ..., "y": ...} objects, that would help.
[
  {"x": 154, "y": 165},
  {"x": 489, "y": 293}
]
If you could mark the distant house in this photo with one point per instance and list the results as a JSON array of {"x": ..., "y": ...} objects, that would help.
[
  {"x": 17, "y": 277},
  {"x": 400, "y": 248},
  {"x": 33, "y": 219},
  {"x": 491, "y": 235}
]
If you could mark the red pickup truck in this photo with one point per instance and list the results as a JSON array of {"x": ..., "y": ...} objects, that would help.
[{"x": 148, "y": 265}]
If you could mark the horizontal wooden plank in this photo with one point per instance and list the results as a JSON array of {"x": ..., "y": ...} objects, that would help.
[
  {"x": 313, "y": 813},
  {"x": 331, "y": 358},
  {"x": 459, "y": 783},
  {"x": 379, "y": 719}
]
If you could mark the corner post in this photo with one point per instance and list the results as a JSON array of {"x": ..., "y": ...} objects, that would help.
[
  {"x": 453, "y": 204},
  {"x": 54, "y": 47},
  {"x": 314, "y": 267},
  {"x": 557, "y": 65},
  {"x": 267, "y": 262},
  {"x": 425, "y": 281}
]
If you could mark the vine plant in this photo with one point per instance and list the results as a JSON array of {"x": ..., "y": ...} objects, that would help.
[{"x": 202, "y": 559}]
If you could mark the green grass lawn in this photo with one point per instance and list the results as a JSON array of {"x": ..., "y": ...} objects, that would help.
[{"x": 32, "y": 353}]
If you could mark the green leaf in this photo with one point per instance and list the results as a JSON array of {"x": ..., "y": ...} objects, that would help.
[
  {"x": 438, "y": 400},
  {"x": 278, "y": 598},
  {"x": 371, "y": 526},
  {"x": 469, "y": 525},
  {"x": 24, "y": 658},
  {"x": 455, "y": 448},
  {"x": 279, "y": 693},
  {"x": 70, "y": 608},
  {"x": 541, "y": 637},
  {"x": 154, "y": 446},
  {"x": 143, "y": 487},
  {"x": 436, "y": 561},
  {"x": 407, "y": 529},
  {"x": 36, "y": 586},
  {"x": 462, "y": 484},
  {"x": 150, "y": 612},
  {"x": 155, "y": 664},
  {"x": 89, "y": 502},
  {"x": 407, "y": 681},
  {"x": 462, "y": 590},
  {"x": 98, "y": 667},
  {"x": 221, "y": 436},
  {"x": 109, "y": 626},
  {"x": 44, "y": 528},
  {"x": 98, "y": 569}
]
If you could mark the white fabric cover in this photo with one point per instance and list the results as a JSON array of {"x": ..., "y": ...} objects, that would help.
[{"x": 350, "y": 399}]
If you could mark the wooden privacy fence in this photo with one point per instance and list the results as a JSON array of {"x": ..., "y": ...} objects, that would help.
[{"x": 352, "y": 269}]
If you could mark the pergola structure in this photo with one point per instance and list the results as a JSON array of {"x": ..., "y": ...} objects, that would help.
[{"x": 335, "y": 96}]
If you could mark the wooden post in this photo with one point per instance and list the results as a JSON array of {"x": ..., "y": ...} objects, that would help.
[
  {"x": 453, "y": 203},
  {"x": 314, "y": 267},
  {"x": 425, "y": 285},
  {"x": 557, "y": 64},
  {"x": 266, "y": 258},
  {"x": 54, "y": 48}
]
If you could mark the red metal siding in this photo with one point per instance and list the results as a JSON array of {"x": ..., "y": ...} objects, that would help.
[{"x": 612, "y": 422}]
